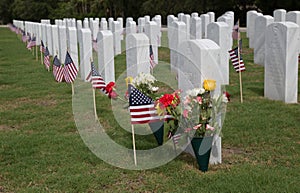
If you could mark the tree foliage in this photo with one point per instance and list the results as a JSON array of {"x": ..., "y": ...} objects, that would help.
[{"x": 34, "y": 10}]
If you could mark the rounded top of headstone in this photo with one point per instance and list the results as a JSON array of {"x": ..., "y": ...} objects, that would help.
[
  {"x": 204, "y": 44},
  {"x": 72, "y": 28},
  {"x": 104, "y": 33},
  {"x": 85, "y": 30},
  {"x": 286, "y": 24},
  {"x": 279, "y": 10},
  {"x": 219, "y": 24},
  {"x": 204, "y": 15},
  {"x": 178, "y": 23},
  {"x": 251, "y": 11}
]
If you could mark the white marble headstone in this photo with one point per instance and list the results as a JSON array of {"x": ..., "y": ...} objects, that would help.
[
  {"x": 110, "y": 21},
  {"x": 261, "y": 24},
  {"x": 196, "y": 27},
  {"x": 103, "y": 25},
  {"x": 200, "y": 61},
  {"x": 106, "y": 64},
  {"x": 252, "y": 28},
  {"x": 151, "y": 30},
  {"x": 116, "y": 30},
  {"x": 228, "y": 20},
  {"x": 141, "y": 25},
  {"x": 73, "y": 46},
  {"x": 55, "y": 35},
  {"x": 187, "y": 20},
  {"x": 217, "y": 32},
  {"x": 86, "y": 54},
  {"x": 204, "y": 22},
  {"x": 248, "y": 22},
  {"x": 137, "y": 54},
  {"x": 211, "y": 16},
  {"x": 120, "y": 19},
  {"x": 95, "y": 24},
  {"x": 62, "y": 32},
  {"x": 294, "y": 16},
  {"x": 281, "y": 62},
  {"x": 195, "y": 14},
  {"x": 177, "y": 37},
  {"x": 130, "y": 27},
  {"x": 279, "y": 15},
  {"x": 49, "y": 39}
]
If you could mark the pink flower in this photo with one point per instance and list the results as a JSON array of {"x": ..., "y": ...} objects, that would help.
[
  {"x": 187, "y": 100},
  {"x": 199, "y": 99},
  {"x": 208, "y": 127},
  {"x": 197, "y": 126},
  {"x": 185, "y": 113},
  {"x": 112, "y": 95}
]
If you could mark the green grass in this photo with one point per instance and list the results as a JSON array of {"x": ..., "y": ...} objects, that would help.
[{"x": 42, "y": 151}]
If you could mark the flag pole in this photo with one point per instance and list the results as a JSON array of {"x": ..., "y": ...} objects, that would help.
[
  {"x": 133, "y": 143},
  {"x": 95, "y": 110},
  {"x": 240, "y": 72},
  {"x": 41, "y": 54},
  {"x": 72, "y": 85},
  {"x": 36, "y": 52}
]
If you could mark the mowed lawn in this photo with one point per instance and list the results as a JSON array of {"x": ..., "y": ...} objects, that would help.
[{"x": 42, "y": 151}]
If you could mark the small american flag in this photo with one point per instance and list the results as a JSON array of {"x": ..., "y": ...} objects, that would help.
[
  {"x": 58, "y": 70},
  {"x": 96, "y": 79},
  {"x": 152, "y": 62},
  {"x": 47, "y": 58},
  {"x": 235, "y": 31},
  {"x": 24, "y": 36},
  {"x": 42, "y": 47},
  {"x": 141, "y": 107},
  {"x": 235, "y": 60},
  {"x": 31, "y": 43},
  {"x": 70, "y": 70},
  {"x": 175, "y": 137}
]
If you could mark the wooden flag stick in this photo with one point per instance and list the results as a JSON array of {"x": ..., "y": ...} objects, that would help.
[
  {"x": 36, "y": 53},
  {"x": 41, "y": 55},
  {"x": 133, "y": 143},
  {"x": 95, "y": 110},
  {"x": 72, "y": 84},
  {"x": 240, "y": 72}
]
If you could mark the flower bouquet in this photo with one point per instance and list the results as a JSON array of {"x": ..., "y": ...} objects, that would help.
[
  {"x": 168, "y": 107},
  {"x": 202, "y": 118}
]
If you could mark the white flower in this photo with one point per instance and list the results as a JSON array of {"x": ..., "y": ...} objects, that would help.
[
  {"x": 154, "y": 88},
  {"x": 224, "y": 99},
  {"x": 195, "y": 91}
]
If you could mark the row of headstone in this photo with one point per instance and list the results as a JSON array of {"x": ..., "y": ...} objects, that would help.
[
  {"x": 59, "y": 39},
  {"x": 276, "y": 43},
  {"x": 183, "y": 28}
]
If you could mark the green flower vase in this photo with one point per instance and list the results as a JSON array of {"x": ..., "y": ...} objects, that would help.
[{"x": 202, "y": 149}]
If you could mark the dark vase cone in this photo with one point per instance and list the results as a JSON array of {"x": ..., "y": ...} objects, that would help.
[
  {"x": 202, "y": 148},
  {"x": 158, "y": 131}
]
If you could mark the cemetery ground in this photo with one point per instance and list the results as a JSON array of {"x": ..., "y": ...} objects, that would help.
[{"x": 41, "y": 149}]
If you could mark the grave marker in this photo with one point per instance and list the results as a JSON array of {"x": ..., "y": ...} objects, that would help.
[
  {"x": 137, "y": 54},
  {"x": 281, "y": 62},
  {"x": 106, "y": 55},
  {"x": 261, "y": 24}
]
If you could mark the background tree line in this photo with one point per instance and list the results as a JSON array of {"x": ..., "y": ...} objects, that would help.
[{"x": 35, "y": 10}]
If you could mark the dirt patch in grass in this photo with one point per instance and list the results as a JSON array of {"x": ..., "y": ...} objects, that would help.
[
  {"x": 44, "y": 102},
  {"x": 9, "y": 128}
]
